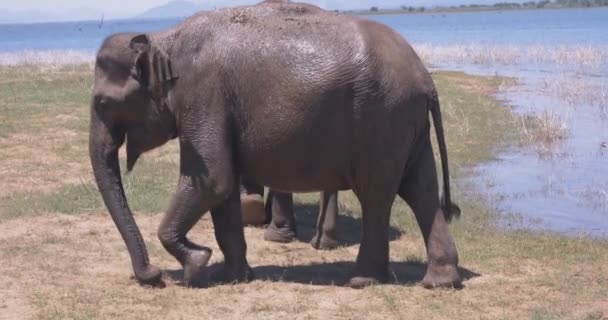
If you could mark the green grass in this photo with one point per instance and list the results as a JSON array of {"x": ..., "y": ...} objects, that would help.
[{"x": 148, "y": 190}]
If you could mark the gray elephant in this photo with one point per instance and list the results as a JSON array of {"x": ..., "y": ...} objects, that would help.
[
  {"x": 278, "y": 214},
  {"x": 295, "y": 97}
]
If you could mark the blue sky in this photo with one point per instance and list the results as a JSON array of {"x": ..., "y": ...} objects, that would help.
[{"x": 74, "y": 9}]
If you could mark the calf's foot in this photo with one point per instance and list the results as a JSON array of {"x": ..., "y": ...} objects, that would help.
[
  {"x": 359, "y": 282},
  {"x": 325, "y": 242},
  {"x": 282, "y": 235},
  {"x": 368, "y": 278}
]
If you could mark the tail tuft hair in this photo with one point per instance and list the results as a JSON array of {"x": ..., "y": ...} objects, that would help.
[{"x": 450, "y": 210}]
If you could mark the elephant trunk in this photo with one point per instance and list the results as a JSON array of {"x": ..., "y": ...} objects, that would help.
[{"x": 104, "y": 141}]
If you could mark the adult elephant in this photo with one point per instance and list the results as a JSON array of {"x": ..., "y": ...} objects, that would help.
[
  {"x": 278, "y": 214},
  {"x": 295, "y": 97}
]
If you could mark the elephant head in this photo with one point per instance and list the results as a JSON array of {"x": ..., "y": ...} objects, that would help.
[{"x": 131, "y": 100}]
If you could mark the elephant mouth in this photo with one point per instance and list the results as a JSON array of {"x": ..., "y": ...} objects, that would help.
[{"x": 133, "y": 153}]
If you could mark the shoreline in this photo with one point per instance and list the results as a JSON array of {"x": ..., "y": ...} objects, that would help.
[
  {"x": 364, "y": 12},
  {"x": 431, "y": 11}
]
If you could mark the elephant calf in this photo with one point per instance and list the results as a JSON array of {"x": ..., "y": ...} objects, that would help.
[
  {"x": 296, "y": 98},
  {"x": 278, "y": 213}
]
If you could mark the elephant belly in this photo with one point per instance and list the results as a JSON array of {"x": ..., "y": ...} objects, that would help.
[
  {"x": 299, "y": 147},
  {"x": 293, "y": 167},
  {"x": 301, "y": 180}
]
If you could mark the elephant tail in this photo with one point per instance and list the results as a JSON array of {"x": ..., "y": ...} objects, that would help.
[{"x": 450, "y": 209}]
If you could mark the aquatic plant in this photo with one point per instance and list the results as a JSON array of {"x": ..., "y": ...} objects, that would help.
[{"x": 585, "y": 59}]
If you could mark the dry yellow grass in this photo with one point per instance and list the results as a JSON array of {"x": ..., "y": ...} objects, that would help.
[{"x": 62, "y": 267}]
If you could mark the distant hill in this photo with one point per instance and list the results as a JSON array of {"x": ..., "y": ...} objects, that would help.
[{"x": 173, "y": 9}]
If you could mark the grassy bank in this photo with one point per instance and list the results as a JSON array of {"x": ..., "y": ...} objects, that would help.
[{"x": 61, "y": 257}]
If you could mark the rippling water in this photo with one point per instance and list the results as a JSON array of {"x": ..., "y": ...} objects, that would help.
[{"x": 559, "y": 56}]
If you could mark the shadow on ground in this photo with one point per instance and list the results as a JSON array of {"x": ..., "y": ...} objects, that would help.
[
  {"x": 348, "y": 228},
  {"x": 327, "y": 274},
  {"x": 337, "y": 273}
]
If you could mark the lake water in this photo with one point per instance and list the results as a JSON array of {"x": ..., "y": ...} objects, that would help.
[{"x": 559, "y": 56}]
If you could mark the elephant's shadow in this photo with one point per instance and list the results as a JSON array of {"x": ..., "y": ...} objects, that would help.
[
  {"x": 338, "y": 273},
  {"x": 348, "y": 232},
  {"x": 405, "y": 273},
  {"x": 348, "y": 228}
]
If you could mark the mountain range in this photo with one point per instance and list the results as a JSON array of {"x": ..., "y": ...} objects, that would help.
[{"x": 173, "y": 9}]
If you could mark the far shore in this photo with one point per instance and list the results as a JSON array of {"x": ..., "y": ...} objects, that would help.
[
  {"x": 473, "y": 8},
  {"x": 373, "y": 11}
]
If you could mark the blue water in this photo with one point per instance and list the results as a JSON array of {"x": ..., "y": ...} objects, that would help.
[
  {"x": 560, "y": 58},
  {"x": 86, "y": 36},
  {"x": 533, "y": 27},
  {"x": 536, "y": 27}
]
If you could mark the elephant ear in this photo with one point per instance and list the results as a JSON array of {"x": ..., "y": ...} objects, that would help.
[{"x": 152, "y": 66}]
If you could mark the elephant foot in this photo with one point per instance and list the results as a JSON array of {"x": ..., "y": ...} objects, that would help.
[
  {"x": 150, "y": 276},
  {"x": 252, "y": 209},
  {"x": 362, "y": 280},
  {"x": 281, "y": 235},
  {"x": 195, "y": 266},
  {"x": 324, "y": 243},
  {"x": 233, "y": 275},
  {"x": 445, "y": 276}
]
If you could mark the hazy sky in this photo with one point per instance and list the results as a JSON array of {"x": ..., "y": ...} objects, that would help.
[{"x": 136, "y": 6}]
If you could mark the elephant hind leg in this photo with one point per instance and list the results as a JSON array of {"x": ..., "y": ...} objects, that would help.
[
  {"x": 373, "y": 258},
  {"x": 419, "y": 189},
  {"x": 375, "y": 187},
  {"x": 325, "y": 233},
  {"x": 282, "y": 227}
]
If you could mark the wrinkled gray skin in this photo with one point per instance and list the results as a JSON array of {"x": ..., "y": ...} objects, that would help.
[{"x": 298, "y": 99}]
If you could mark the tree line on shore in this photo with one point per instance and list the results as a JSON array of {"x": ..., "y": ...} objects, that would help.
[{"x": 542, "y": 4}]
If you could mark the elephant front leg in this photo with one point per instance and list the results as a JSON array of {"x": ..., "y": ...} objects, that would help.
[
  {"x": 203, "y": 187},
  {"x": 231, "y": 239},
  {"x": 282, "y": 227},
  {"x": 325, "y": 233},
  {"x": 187, "y": 208}
]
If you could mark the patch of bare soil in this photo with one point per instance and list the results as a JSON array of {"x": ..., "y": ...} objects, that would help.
[
  {"x": 472, "y": 84},
  {"x": 12, "y": 303}
]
